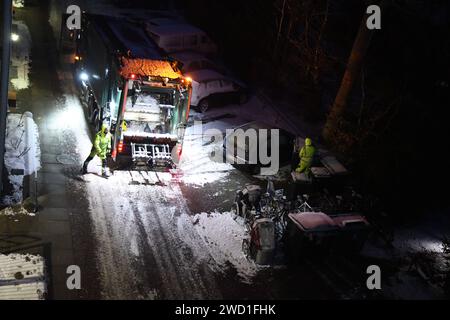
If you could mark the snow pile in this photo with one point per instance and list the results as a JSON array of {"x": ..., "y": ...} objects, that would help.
[
  {"x": 197, "y": 160},
  {"x": 20, "y": 57},
  {"x": 22, "y": 277},
  {"x": 22, "y": 151},
  {"x": 15, "y": 210},
  {"x": 19, "y": 3},
  {"x": 223, "y": 238}
]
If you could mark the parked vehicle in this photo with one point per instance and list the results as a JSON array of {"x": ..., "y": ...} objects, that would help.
[
  {"x": 193, "y": 61},
  {"x": 129, "y": 84},
  {"x": 181, "y": 37},
  {"x": 163, "y": 21},
  {"x": 317, "y": 233},
  {"x": 238, "y": 151},
  {"x": 212, "y": 89}
]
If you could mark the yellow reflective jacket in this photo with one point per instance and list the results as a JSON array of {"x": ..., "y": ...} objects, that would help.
[
  {"x": 306, "y": 157},
  {"x": 102, "y": 144}
]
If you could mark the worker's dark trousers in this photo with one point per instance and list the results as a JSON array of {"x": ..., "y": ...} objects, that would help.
[
  {"x": 295, "y": 159},
  {"x": 88, "y": 159}
]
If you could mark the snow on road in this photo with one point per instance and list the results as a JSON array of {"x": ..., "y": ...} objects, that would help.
[
  {"x": 223, "y": 237},
  {"x": 141, "y": 246},
  {"x": 146, "y": 245},
  {"x": 197, "y": 165}
]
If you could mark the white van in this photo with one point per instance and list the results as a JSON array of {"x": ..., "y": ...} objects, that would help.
[
  {"x": 180, "y": 37},
  {"x": 210, "y": 88},
  {"x": 193, "y": 61}
]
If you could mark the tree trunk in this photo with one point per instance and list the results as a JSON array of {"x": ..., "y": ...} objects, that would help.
[
  {"x": 280, "y": 26},
  {"x": 352, "y": 72}
]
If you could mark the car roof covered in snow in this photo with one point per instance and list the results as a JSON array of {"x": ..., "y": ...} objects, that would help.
[
  {"x": 262, "y": 125},
  {"x": 126, "y": 37},
  {"x": 206, "y": 75},
  {"x": 146, "y": 15},
  {"x": 163, "y": 21},
  {"x": 350, "y": 221},
  {"x": 177, "y": 29},
  {"x": 313, "y": 221},
  {"x": 187, "y": 56}
]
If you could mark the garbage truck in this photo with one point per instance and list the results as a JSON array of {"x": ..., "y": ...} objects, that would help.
[{"x": 129, "y": 84}]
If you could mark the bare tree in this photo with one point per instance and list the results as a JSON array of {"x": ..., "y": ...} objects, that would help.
[
  {"x": 352, "y": 72},
  {"x": 280, "y": 26}
]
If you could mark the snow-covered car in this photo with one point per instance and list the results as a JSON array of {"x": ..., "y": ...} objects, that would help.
[
  {"x": 245, "y": 148},
  {"x": 180, "y": 37},
  {"x": 193, "y": 61},
  {"x": 19, "y": 3},
  {"x": 163, "y": 21},
  {"x": 211, "y": 88}
]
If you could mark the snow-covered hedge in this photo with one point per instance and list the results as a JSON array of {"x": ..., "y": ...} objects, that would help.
[
  {"x": 22, "y": 151},
  {"x": 19, "y": 3}
]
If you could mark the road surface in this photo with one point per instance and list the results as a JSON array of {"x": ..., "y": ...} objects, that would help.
[{"x": 147, "y": 235}]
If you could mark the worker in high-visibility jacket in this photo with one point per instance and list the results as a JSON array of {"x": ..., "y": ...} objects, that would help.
[
  {"x": 100, "y": 148},
  {"x": 306, "y": 157}
]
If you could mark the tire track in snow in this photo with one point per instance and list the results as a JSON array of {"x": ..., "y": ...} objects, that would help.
[
  {"x": 183, "y": 270},
  {"x": 164, "y": 269},
  {"x": 165, "y": 262},
  {"x": 112, "y": 257}
]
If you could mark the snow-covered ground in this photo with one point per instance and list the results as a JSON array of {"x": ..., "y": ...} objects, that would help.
[
  {"x": 197, "y": 164},
  {"x": 223, "y": 236},
  {"x": 147, "y": 243},
  {"x": 22, "y": 151},
  {"x": 22, "y": 277}
]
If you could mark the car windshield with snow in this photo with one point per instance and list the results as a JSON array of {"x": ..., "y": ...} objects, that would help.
[
  {"x": 181, "y": 37},
  {"x": 210, "y": 88},
  {"x": 239, "y": 149},
  {"x": 192, "y": 61}
]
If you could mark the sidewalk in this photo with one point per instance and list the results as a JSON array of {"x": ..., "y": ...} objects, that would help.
[{"x": 49, "y": 232}]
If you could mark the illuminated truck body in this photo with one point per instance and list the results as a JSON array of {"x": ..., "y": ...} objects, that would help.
[{"x": 129, "y": 84}]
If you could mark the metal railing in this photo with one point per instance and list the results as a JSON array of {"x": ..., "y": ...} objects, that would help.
[{"x": 150, "y": 151}]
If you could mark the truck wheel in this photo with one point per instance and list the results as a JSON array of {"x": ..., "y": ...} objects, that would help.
[{"x": 203, "y": 105}]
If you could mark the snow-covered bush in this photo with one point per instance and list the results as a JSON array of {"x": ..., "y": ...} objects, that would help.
[{"x": 22, "y": 152}]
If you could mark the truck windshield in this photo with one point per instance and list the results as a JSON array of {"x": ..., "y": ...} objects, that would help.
[{"x": 148, "y": 111}]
